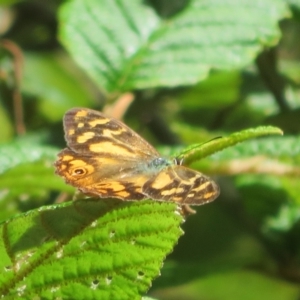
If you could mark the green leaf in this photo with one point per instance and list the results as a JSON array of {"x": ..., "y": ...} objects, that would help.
[
  {"x": 58, "y": 89},
  {"x": 28, "y": 164},
  {"x": 127, "y": 45},
  {"x": 262, "y": 195},
  {"x": 286, "y": 219},
  {"x": 87, "y": 249},
  {"x": 26, "y": 176},
  {"x": 198, "y": 151},
  {"x": 22, "y": 152}
]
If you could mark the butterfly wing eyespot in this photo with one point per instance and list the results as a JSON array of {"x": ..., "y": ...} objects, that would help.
[
  {"x": 108, "y": 159},
  {"x": 78, "y": 172},
  {"x": 72, "y": 168}
]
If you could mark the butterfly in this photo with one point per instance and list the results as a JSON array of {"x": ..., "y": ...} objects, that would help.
[{"x": 107, "y": 159}]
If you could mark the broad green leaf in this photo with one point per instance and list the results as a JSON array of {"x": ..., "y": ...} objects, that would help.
[
  {"x": 127, "y": 45},
  {"x": 21, "y": 152},
  {"x": 87, "y": 249}
]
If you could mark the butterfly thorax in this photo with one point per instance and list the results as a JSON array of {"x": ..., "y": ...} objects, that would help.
[{"x": 158, "y": 164}]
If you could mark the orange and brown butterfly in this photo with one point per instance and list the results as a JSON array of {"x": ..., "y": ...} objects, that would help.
[{"x": 105, "y": 158}]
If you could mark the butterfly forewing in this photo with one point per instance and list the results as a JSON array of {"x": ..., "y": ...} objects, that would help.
[
  {"x": 107, "y": 159},
  {"x": 89, "y": 132}
]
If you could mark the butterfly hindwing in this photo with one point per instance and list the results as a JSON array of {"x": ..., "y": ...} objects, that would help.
[
  {"x": 181, "y": 185},
  {"x": 88, "y": 175}
]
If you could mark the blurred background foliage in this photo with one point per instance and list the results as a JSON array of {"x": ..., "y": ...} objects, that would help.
[{"x": 179, "y": 72}]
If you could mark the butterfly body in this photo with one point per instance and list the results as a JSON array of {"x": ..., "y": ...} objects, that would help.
[{"x": 107, "y": 159}]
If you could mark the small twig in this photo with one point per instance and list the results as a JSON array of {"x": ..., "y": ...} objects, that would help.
[
  {"x": 16, "y": 53},
  {"x": 118, "y": 109}
]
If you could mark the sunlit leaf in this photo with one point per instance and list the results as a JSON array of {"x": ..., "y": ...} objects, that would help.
[
  {"x": 87, "y": 249},
  {"x": 127, "y": 45}
]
